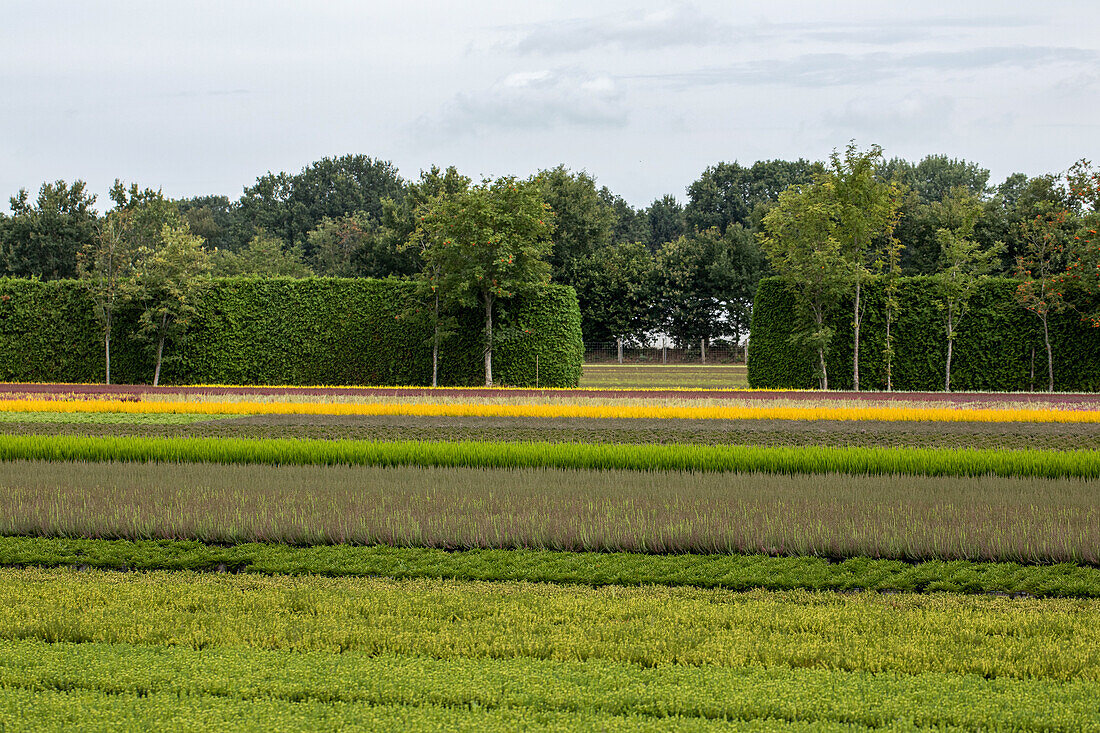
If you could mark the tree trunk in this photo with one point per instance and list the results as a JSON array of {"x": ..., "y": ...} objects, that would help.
[
  {"x": 619, "y": 345},
  {"x": 703, "y": 350},
  {"x": 435, "y": 345},
  {"x": 107, "y": 350},
  {"x": 823, "y": 381},
  {"x": 889, "y": 356},
  {"x": 488, "y": 340},
  {"x": 160, "y": 349},
  {"x": 855, "y": 346},
  {"x": 950, "y": 346},
  {"x": 1050, "y": 356}
]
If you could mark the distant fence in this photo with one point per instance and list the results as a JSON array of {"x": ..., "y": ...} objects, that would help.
[{"x": 609, "y": 353}]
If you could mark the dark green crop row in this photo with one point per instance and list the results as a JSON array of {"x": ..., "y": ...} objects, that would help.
[
  {"x": 734, "y": 572},
  {"x": 781, "y": 460}
]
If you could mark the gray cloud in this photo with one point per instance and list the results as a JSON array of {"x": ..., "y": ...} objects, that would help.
[
  {"x": 685, "y": 25},
  {"x": 839, "y": 69},
  {"x": 533, "y": 100},
  {"x": 679, "y": 25}
]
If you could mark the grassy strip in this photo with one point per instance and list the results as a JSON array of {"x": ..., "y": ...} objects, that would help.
[
  {"x": 732, "y": 572},
  {"x": 993, "y": 637},
  {"x": 1028, "y": 520},
  {"x": 1010, "y": 436},
  {"x": 593, "y": 691},
  {"x": 782, "y": 460},
  {"x": 560, "y": 410}
]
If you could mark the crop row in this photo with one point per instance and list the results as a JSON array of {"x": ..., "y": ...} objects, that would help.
[
  {"x": 733, "y": 572},
  {"x": 1012, "y": 436},
  {"x": 993, "y": 637},
  {"x": 704, "y": 458},
  {"x": 559, "y": 410},
  {"x": 489, "y": 393},
  {"x": 827, "y": 515},
  {"x": 595, "y": 694}
]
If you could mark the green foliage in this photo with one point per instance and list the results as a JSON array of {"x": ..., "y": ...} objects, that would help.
[
  {"x": 289, "y": 206},
  {"x": 582, "y": 221},
  {"x": 43, "y": 239},
  {"x": 616, "y": 287},
  {"x": 214, "y": 218},
  {"x": 264, "y": 255},
  {"x": 729, "y": 193},
  {"x": 995, "y": 346},
  {"x": 666, "y": 220},
  {"x": 284, "y": 331},
  {"x": 705, "y": 282}
]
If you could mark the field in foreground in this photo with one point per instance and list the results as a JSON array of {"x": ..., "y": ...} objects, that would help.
[
  {"x": 493, "y": 655},
  {"x": 690, "y": 572}
]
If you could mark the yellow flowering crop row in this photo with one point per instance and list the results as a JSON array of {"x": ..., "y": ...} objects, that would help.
[{"x": 732, "y": 412}]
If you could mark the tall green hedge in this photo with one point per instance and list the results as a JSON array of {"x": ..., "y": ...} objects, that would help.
[
  {"x": 993, "y": 351},
  {"x": 289, "y": 331}
]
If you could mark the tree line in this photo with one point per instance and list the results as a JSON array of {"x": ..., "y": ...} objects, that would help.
[
  {"x": 688, "y": 269},
  {"x": 832, "y": 235}
]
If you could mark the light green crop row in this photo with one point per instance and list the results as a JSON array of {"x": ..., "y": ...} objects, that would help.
[
  {"x": 816, "y": 459},
  {"x": 107, "y": 680},
  {"x": 649, "y": 626}
]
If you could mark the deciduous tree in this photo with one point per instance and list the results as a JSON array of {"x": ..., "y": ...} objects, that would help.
[
  {"x": 964, "y": 263},
  {"x": 800, "y": 242},
  {"x": 490, "y": 243},
  {"x": 866, "y": 211},
  {"x": 107, "y": 265},
  {"x": 170, "y": 279}
]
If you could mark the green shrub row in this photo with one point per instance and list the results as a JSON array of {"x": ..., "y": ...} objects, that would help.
[
  {"x": 288, "y": 331},
  {"x": 734, "y": 572},
  {"x": 710, "y": 458},
  {"x": 999, "y": 346}
]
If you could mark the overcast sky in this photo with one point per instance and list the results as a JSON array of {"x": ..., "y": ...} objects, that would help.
[{"x": 203, "y": 97}]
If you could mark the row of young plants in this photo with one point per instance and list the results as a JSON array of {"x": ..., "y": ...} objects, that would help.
[
  {"x": 832, "y": 516},
  {"x": 761, "y": 459},
  {"x": 355, "y": 688},
  {"x": 1016, "y": 436},
  {"x": 731, "y": 572}
]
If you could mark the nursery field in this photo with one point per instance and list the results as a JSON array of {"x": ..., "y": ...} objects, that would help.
[{"x": 680, "y": 557}]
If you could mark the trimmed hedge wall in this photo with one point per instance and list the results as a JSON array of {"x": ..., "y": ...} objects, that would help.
[
  {"x": 288, "y": 331},
  {"x": 993, "y": 350}
]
